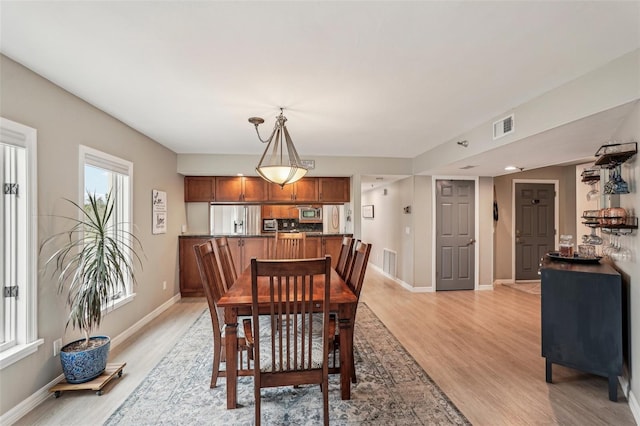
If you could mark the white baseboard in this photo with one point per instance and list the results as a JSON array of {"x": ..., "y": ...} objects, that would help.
[
  {"x": 502, "y": 282},
  {"x": 401, "y": 283},
  {"x": 483, "y": 287},
  {"x": 634, "y": 406},
  {"x": 38, "y": 397}
]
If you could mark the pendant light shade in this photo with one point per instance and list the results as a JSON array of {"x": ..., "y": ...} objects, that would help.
[{"x": 280, "y": 162}]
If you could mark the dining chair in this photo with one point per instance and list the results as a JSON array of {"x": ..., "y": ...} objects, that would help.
[
  {"x": 289, "y": 245},
  {"x": 355, "y": 280},
  {"x": 223, "y": 252},
  {"x": 213, "y": 283},
  {"x": 294, "y": 350},
  {"x": 344, "y": 258}
]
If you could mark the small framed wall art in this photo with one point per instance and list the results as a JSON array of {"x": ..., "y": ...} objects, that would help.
[
  {"x": 367, "y": 211},
  {"x": 158, "y": 212}
]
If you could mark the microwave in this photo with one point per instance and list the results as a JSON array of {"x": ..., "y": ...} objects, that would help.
[
  {"x": 310, "y": 214},
  {"x": 269, "y": 225}
]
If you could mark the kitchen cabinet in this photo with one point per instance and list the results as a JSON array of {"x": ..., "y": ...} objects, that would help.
[
  {"x": 313, "y": 247},
  {"x": 331, "y": 245},
  {"x": 582, "y": 319},
  {"x": 244, "y": 248},
  {"x": 199, "y": 188},
  {"x": 278, "y": 211},
  {"x": 240, "y": 189},
  {"x": 190, "y": 283},
  {"x": 303, "y": 191},
  {"x": 334, "y": 189}
]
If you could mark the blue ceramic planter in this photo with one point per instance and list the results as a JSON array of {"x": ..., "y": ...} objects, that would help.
[{"x": 83, "y": 366}]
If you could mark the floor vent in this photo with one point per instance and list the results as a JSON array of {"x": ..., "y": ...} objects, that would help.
[
  {"x": 389, "y": 262},
  {"x": 503, "y": 127}
]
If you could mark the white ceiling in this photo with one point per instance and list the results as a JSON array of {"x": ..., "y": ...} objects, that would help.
[{"x": 381, "y": 79}]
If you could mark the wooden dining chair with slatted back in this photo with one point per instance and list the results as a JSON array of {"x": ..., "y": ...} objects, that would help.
[
  {"x": 289, "y": 245},
  {"x": 213, "y": 283},
  {"x": 355, "y": 280},
  {"x": 226, "y": 261},
  {"x": 344, "y": 258},
  {"x": 294, "y": 351}
]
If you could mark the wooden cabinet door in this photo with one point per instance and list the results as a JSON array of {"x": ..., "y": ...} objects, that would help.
[
  {"x": 254, "y": 189},
  {"x": 199, "y": 188},
  {"x": 190, "y": 282},
  {"x": 229, "y": 188},
  {"x": 313, "y": 247},
  {"x": 306, "y": 190},
  {"x": 253, "y": 247},
  {"x": 276, "y": 193},
  {"x": 235, "y": 247},
  {"x": 266, "y": 211},
  {"x": 332, "y": 246},
  {"x": 334, "y": 189}
]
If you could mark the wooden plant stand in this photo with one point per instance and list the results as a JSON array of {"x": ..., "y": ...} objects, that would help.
[{"x": 96, "y": 384}]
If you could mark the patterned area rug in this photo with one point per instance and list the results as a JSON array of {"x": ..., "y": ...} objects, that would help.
[{"x": 392, "y": 389}]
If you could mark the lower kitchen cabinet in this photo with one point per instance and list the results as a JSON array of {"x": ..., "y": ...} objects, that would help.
[
  {"x": 244, "y": 248},
  {"x": 190, "y": 283},
  {"x": 331, "y": 246}
]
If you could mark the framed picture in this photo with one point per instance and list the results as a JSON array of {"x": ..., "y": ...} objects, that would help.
[
  {"x": 367, "y": 211},
  {"x": 158, "y": 212}
]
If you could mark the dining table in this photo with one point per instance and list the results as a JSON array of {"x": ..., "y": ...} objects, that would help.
[{"x": 237, "y": 302}]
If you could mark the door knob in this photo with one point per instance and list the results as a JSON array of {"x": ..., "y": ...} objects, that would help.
[{"x": 471, "y": 241}]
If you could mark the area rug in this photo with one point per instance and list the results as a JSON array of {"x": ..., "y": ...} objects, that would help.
[{"x": 392, "y": 388}]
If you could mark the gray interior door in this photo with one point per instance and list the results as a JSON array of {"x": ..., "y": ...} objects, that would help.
[
  {"x": 535, "y": 228},
  {"x": 455, "y": 234}
]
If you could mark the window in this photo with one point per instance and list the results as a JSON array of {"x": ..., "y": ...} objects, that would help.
[
  {"x": 103, "y": 173},
  {"x": 18, "y": 242}
]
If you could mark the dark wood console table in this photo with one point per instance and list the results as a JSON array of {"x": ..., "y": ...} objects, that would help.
[{"x": 582, "y": 319}]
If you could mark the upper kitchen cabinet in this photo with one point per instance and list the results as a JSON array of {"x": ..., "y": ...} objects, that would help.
[
  {"x": 199, "y": 188},
  {"x": 334, "y": 189},
  {"x": 240, "y": 189},
  {"x": 303, "y": 191}
]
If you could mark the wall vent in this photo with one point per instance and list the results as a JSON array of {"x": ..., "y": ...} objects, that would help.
[
  {"x": 389, "y": 262},
  {"x": 503, "y": 127}
]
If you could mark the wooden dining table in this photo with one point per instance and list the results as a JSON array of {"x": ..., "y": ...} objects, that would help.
[{"x": 237, "y": 301}]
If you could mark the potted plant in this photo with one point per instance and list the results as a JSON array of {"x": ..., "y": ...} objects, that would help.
[{"x": 93, "y": 261}]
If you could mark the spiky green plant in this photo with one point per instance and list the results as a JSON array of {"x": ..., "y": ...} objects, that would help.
[{"x": 94, "y": 260}]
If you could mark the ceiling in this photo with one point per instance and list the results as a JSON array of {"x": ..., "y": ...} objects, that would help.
[{"x": 373, "y": 79}]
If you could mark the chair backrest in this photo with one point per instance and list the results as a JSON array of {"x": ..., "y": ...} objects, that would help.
[
  {"x": 295, "y": 290},
  {"x": 358, "y": 268},
  {"x": 223, "y": 252},
  {"x": 212, "y": 279},
  {"x": 289, "y": 245},
  {"x": 344, "y": 259}
]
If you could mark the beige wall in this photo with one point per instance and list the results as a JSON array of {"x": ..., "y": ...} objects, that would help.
[
  {"x": 503, "y": 266},
  {"x": 630, "y": 131},
  {"x": 64, "y": 122}
]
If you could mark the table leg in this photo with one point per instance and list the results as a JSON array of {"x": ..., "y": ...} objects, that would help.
[
  {"x": 231, "y": 347},
  {"x": 345, "y": 322}
]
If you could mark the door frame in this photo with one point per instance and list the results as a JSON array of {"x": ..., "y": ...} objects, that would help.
[
  {"x": 556, "y": 217},
  {"x": 476, "y": 219}
]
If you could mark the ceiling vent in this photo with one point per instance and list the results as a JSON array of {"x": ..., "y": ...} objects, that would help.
[
  {"x": 503, "y": 127},
  {"x": 467, "y": 167}
]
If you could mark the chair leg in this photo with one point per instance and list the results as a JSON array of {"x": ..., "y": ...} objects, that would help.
[
  {"x": 215, "y": 369},
  {"x": 353, "y": 364},
  {"x": 325, "y": 401},
  {"x": 257, "y": 398}
]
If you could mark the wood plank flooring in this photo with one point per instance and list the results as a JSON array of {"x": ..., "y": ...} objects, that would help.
[{"x": 481, "y": 348}]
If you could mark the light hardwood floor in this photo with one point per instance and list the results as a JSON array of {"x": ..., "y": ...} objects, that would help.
[{"x": 481, "y": 348}]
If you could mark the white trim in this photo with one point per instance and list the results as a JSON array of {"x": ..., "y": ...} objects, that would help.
[
  {"x": 556, "y": 215},
  {"x": 485, "y": 287},
  {"x": 476, "y": 213},
  {"x": 38, "y": 397},
  {"x": 634, "y": 406},
  {"x": 401, "y": 283},
  {"x": 27, "y": 137},
  {"x": 502, "y": 282},
  {"x": 16, "y": 353}
]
